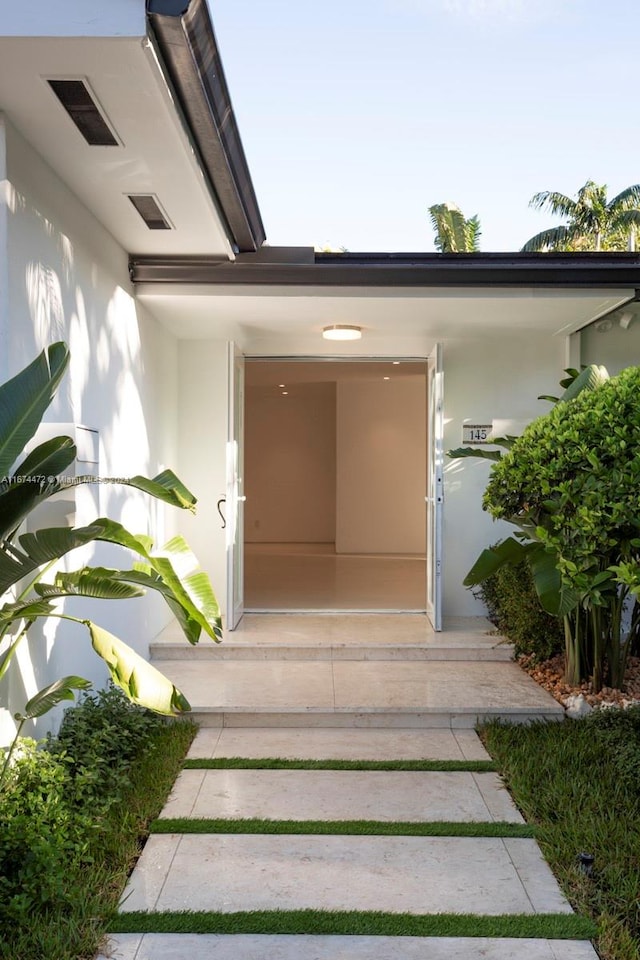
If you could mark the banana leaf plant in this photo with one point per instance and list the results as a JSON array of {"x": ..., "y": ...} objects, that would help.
[{"x": 30, "y": 586}]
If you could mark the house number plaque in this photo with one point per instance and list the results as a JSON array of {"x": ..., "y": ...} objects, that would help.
[{"x": 477, "y": 432}]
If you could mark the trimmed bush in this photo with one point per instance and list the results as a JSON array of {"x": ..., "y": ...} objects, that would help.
[{"x": 513, "y": 606}]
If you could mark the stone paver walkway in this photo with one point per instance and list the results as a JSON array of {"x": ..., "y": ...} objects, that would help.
[{"x": 229, "y": 872}]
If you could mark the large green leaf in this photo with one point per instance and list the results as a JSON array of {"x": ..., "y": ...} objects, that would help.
[
  {"x": 185, "y": 587},
  {"x": 165, "y": 486},
  {"x": 97, "y": 582},
  {"x": 591, "y": 378},
  {"x": 49, "y": 697},
  {"x": 18, "y": 500},
  {"x": 141, "y": 682},
  {"x": 178, "y": 568},
  {"x": 491, "y": 559},
  {"x": 555, "y": 597},
  {"x": 33, "y": 550},
  {"x": 461, "y": 452},
  {"x": 24, "y": 399},
  {"x": 48, "y": 460}
]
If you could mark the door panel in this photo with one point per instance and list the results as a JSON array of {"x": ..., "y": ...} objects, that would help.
[
  {"x": 235, "y": 489},
  {"x": 435, "y": 484}
]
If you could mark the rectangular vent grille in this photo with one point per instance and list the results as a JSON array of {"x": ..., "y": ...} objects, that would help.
[
  {"x": 148, "y": 208},
  {"x": 75, "y": 97}
]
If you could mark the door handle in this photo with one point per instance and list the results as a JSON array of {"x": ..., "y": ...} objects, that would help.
[{"x": 222, "y": 516}]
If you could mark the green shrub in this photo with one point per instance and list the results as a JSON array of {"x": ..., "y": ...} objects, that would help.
[
  {"x": 571, "y": 483},
  {"x": 619, "y": 732},
  {"x": 97, "y": 741},
  {"x": 54, "y": 798},
  {"x": 41, "y": 836},
  {"x": 514, "y": 607}
]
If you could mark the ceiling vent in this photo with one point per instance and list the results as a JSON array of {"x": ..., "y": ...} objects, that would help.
[
  {"x": 76, "y": 98},
  {"x": 149, "y": 209}
]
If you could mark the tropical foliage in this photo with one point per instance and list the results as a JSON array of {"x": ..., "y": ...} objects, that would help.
[
  {"x": 593, "y": 221},
  {"x": 30, "y": 583},
  {"x": 454, "y": 233},
  {"x": 570, "y": 486}
]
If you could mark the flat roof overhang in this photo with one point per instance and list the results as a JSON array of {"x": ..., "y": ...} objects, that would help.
[
  {"x": 271, "y": 267},
  {"x": 280, "y": 299}
]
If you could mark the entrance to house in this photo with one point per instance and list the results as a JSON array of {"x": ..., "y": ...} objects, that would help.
[{"x": 336, "y": 468}]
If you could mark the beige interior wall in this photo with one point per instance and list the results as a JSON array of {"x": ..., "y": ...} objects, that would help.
[
  {"x": 290, "y": 464},
  {"x": 381, "y": 455}
]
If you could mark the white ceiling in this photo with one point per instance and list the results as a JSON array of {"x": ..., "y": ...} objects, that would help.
[
  {"x": 259, "y": 316},
  {"x": 155, "y": 155}
]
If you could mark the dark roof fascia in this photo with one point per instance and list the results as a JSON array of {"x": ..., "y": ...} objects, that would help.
[
  {"x": 603, "y": 270},
  {"x": 186, "y": 44}
]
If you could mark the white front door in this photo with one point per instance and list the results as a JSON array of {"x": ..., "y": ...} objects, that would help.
[
  {"x": 235, "y": 488},
  {"x": 435, "y": 484}
]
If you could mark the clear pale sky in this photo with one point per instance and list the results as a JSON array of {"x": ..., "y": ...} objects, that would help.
[{"x": 357, "y": 115}]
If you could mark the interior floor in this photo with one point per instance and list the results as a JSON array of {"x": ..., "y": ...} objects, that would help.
[{"x": 312, "y": 576}]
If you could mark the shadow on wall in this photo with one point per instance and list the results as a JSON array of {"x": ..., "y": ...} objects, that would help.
[{"x": 68, "y": 280}]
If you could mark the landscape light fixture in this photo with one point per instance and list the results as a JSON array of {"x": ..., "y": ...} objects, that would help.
[{"x": 342, "y": 331}]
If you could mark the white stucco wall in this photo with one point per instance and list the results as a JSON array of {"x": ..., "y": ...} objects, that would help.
[
  {"x": 493, "y": 378},
  {"x": 611, "y": 345},
  {"x": 68, "y": 280}
]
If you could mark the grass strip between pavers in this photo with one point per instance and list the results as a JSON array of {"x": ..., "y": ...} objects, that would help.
[
  {"x": 275, "y": 763},
  {"x": 359, "y": 923},
  {"x": 434, "y": 828}
]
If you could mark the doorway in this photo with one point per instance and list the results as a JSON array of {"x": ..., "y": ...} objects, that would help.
[{"x": 335, "y": 482}]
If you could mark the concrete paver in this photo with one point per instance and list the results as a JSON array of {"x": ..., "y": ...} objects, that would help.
[
  {"x": 351, "y": 687},
  {"x": 346, "y": 687},
  {"x": 157, "y": 946},
  {"x": 337, "y": 744},
  {"x": 400, "y": 796},
  {"x": 230, "y": 872}
]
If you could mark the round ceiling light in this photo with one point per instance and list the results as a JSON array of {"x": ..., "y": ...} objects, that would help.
[{"x": 342, "y": 331}]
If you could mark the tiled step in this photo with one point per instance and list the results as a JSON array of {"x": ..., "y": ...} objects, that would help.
[
  {"x": 317, "y": 743},
  {"x": 230, "y": 650},
  {"x": 397, "y": 874},
  {"x": 358, "y": 694},
  {"x": 168, "y": 946},
  {"x": 382, "y": 795},
  {"x": 341, "y": 637}
]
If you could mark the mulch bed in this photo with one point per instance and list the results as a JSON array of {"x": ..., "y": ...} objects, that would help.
[{"x": 550, "y": 675}]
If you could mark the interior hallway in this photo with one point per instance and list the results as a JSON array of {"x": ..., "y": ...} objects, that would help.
[{"x": 311, "y": 576}]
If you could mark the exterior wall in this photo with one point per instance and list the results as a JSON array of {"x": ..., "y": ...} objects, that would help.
[
  {"x": 290, "y": 465},
  {"x": 68, "y": 280},
  {"x": 381, "y": 480},
  {"x": 483, "y": 381},
  {"x": 609, "y": 344}
]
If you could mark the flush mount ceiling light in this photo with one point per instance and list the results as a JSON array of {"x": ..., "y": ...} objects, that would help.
[{"x": 341, "y": 331}]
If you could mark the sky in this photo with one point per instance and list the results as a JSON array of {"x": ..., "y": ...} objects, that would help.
[{"x": 357, "y": 115}]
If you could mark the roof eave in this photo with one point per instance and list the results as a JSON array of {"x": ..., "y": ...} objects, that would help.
[
  {"x": 186, "y": 44},
  {"x": 267, "y": 268}
]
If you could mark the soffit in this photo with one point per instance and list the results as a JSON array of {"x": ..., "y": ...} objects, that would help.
[
  {"x": 255, "y": 316},
  {"x": 155, "y": 156}
]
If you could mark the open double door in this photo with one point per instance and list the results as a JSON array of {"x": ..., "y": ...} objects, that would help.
[{"x": 235, "y": 493}]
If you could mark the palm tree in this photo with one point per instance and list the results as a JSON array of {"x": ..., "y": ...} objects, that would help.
[
  {"x": 454, "y": 234},
  {"x": 594, "y": 223}
]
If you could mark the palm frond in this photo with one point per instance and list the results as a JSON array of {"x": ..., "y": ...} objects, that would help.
[
  {"x": 556, "y": 203},
  {"x": 556, "y": 238}
]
